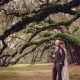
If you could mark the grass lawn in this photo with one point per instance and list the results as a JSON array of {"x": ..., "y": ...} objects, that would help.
[{"x": 34, "y": 72}]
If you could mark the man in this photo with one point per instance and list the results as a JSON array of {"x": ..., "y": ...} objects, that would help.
[{"x": 59, "y": 56}]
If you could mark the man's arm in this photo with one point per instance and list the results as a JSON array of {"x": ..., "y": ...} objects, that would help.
[{"x": 54, "y": 52}]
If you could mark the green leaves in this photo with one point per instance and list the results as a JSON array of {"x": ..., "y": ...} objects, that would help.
[{"x": 46, "y": 33}]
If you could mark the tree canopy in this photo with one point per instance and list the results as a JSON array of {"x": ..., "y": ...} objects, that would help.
[{"x": 28, "y": 25}]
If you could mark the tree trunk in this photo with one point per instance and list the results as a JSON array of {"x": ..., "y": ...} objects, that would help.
[{"x": 77, "y": 53}]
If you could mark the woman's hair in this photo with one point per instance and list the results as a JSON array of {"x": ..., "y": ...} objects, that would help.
[{"x": 62, "y": 42}]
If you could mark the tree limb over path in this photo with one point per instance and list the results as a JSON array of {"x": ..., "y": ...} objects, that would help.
[
  {"x": 55, "y": 26},
  {"x": 66, "y": 37},
  {"x": 41, "y": 15},
  {"x": 36, "y": 16}
]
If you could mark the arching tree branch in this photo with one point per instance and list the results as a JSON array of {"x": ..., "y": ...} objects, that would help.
[{"x": 42, "y": 14}]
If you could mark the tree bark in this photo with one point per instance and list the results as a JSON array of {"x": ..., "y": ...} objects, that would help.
[{"x": 77, "y": 52}]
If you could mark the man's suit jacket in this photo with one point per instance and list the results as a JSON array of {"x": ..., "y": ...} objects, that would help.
[{"x": 59, "y": 56}]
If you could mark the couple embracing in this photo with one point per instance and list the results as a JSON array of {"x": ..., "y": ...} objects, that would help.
[{"x": 60, "y": 61}]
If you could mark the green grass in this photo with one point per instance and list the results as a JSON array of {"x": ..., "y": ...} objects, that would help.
[
  {"x": 11, "y": 71},
  {"x": 74, "y": 75},
  {"x": 7, "y": 74},
  {"x": 27, "y": 67}
]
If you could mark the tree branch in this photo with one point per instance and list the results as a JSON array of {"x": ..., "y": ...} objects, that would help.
[
  {"x": 56, "y": 26},
  {"x": 3, "y": 2},
  {"x": 42, "y": 14}
]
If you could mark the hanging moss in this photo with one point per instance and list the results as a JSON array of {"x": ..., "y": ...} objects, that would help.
[
  {"x": 30, "y": 30},
  {"x": 69, "y": 38},
  {"x": 52, "y": 36},
  {"x": 46, "y": 34}
]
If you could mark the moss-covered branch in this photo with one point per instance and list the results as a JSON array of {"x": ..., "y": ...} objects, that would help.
[
  {"x": 56, "y": 25},
  {"x": 41, "y": 15},
  {"x": 70, "y": 39}
]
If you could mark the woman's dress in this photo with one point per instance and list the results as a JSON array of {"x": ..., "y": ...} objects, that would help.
[{"x": 65, "y": 74}]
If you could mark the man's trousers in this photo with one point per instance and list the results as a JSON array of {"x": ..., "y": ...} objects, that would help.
[{"x": 57, "y": 71}]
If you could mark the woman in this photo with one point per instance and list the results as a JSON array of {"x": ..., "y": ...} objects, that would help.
[{"x": 65, "y": 75}]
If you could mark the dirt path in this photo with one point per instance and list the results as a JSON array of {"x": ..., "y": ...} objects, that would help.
[{"x": 37, "y": 73}]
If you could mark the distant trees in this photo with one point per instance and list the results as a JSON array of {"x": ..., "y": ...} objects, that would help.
[{"x": 27, "y": 25}]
